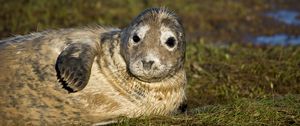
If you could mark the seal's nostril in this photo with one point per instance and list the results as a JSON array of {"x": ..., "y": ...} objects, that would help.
[{"x": 147, "y": 64}]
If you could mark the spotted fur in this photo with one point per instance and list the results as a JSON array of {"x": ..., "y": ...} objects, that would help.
[{"x": 81, "y": 76}]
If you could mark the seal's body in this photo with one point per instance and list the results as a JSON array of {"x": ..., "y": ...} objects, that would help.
[{"x": 94, "y": 74}]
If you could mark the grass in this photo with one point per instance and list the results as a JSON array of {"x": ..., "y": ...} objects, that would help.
[
  {"x": 220, "y": 73},
  {"x": 282, "y": 111},
  {"x": 230, "y": 83}
]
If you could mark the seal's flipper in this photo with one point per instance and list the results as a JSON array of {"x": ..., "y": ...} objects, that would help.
[{"x": 73, "y": 66}]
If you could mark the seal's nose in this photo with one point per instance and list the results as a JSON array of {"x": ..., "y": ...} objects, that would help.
[{"x": 147, "y": 64}]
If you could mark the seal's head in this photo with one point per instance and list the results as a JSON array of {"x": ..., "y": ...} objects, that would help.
[{"x": 153, "y": 45}]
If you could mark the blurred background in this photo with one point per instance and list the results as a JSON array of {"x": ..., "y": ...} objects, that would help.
[
  {"x": 257, "y": 21},
  {"x": 237, "y": 49}
]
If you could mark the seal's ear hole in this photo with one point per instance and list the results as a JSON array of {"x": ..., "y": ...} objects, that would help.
[
  {"x": 136, "y": 38},
  {"x": 73, "y": 66}
]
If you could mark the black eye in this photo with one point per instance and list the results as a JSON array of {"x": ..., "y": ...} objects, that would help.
[
  {"x": 136, "y": 38},
  {"x": 170, "y": 42}
]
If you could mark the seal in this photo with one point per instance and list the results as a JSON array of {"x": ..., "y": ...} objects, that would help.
[{"x": 90, "y": 75}]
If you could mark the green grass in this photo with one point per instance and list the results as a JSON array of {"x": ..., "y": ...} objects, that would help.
[
  {"x": 280, "y": 111},
  {"x": 221, "y": 73},
  {"x": 228, "y": 84}
]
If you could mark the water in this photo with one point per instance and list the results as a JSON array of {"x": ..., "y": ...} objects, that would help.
[
  {"x": 288, "y": 18},
  {"x": 277, "y": 39},
  {"x": 285, "y": 16}
]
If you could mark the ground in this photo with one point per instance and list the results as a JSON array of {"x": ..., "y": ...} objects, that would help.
[{"x": 231, "y": 81}]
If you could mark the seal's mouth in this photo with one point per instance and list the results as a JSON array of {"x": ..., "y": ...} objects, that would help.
[
  {"x": 148, "y": 80},
  {"x": 149, "y": 76}
]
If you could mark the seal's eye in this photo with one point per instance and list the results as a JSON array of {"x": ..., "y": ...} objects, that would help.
[
  {"x": 136, "y": 38},
  {"x": 171, "y": 42}
]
